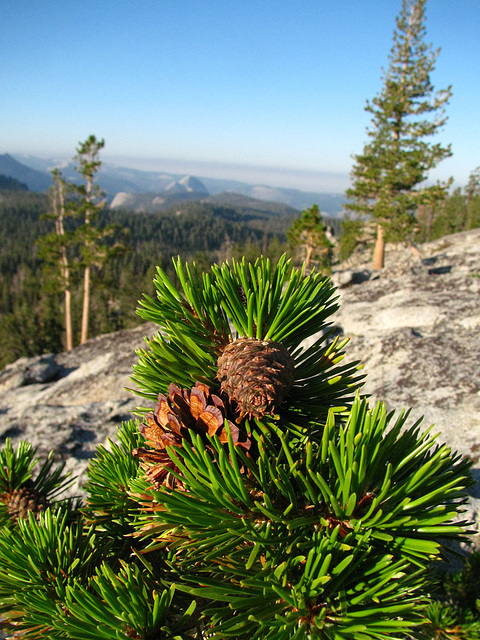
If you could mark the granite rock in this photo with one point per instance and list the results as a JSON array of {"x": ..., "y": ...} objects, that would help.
[
  {"x": 415, "y": 326},
  {"x": 70, "y": 402}
]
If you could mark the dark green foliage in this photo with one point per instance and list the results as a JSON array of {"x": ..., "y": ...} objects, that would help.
[
  {"x": 10, "y": 184},
  {"x": 198, "y": 226},
  {"x": 454, "y": 612},
  {"x": 350, "y": 236},
  {"x": 20, "y": 226},
  {"x": 63, "y": 574},
  {"x": 17, "y": 473},
  {"x": 461, "y": 590},
  {"x": 32, "y": 326},
  {"x": 109, "y": 475},
  {"x": 307, "y": 235},
  {"x": 389, "y": 176},
  {"x": 39, "y": 560},
  {"x": 449, "y": 216},
  {"x": 30, "y": 289},
  {"x": 460, "y": 211}
]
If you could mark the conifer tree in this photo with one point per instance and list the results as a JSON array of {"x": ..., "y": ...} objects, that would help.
[
  {"x": 54, "y": 247},
  {"x": 308, "y": 233},
  {"x": 472, "y": 200},
  {"x": 90, "y": 204},
  {"x": 388, "y": 177},
  {"x": 84, "y": 245}
]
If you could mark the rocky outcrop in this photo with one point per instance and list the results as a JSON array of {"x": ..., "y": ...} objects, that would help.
[
  {"x": 73, "y": 401},
  {"x": 415, "y": 325}
]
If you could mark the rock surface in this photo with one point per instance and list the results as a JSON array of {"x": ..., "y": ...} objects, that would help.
[
  {"x": 415, "y": 325},
  {"x": 73, "y": 401}
]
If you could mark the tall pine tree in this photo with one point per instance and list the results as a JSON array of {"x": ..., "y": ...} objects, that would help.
[
  {"x": 388, "y": 177},
  {"x": 85, "y": 245},
  {"x": 55, "y": 247},
  {"x": 90, "y": 204}
]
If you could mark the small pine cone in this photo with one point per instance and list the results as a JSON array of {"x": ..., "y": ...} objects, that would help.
[
  {"x": 169, "y": 424},
  {"x": 20, "y": 501},
  {"x": 256, "y": 374}
]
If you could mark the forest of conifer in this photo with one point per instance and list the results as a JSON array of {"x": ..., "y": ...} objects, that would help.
[{"x": 31, "y": 301}]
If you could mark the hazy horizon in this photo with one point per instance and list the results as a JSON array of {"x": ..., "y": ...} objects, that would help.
[
  {"x": 316, "y": 181},
  {"x": 276, "y": 177}
]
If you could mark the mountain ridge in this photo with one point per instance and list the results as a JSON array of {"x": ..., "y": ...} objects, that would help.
[
  {"x": 34, "y": 179},
  {"x": 114, "y": 179}
]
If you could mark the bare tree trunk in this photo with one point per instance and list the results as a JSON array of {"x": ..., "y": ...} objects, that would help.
[
  {"x": 379, "y": 253},
  {"x": 68, "y": 298},
  {"x": 87, "y": 156},
  {"x": 65, "y": 271},
  {"x": 86, "y": 304},
  {"x": 308, "y": 256},
  {"x": 86, "y": 273},
  {"x": 68, "y": 320}
]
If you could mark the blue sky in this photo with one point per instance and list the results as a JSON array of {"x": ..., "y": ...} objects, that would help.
[{"x": 269, "y": 91}]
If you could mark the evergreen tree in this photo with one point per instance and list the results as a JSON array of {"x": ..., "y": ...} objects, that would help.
[
  {"x": 350, "y": 237},
  {"x": 54, "y": 247},
  {"x": 460, "y": 211},
  {"x": 388, "y": 177},
  {"x": 84, "y": 244},
  {"x": 308, "y": 234},
  {"x": 90, "y": 204}
]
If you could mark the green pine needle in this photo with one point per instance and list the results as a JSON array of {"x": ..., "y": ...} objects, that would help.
[{"x": 246, "y": 300}]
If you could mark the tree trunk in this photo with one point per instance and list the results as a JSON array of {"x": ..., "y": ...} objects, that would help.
[
  {"x": 64, "y": 263},
  {"x": 68, "y": 321},
  {"x": 308, "y": 256},
  {"x": 379, "y": 254},
  {"x": 68, "y": 298},
  {"x": 86, "y": 304},
  {"x": 86, "y": 276}
]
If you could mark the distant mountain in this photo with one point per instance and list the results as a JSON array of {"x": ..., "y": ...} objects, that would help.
[
  {"x": 153, "y": 202},
  {"x": 116, "y": 180},
  {"x": 329, "y": 203},
  {"x": 248, "y": 205},
  {"x": 193, "y": 185},
  {"x": 35, "y": 180},
  {"x": 11, "y": 184},
  {"x": 242, "y": 205}
]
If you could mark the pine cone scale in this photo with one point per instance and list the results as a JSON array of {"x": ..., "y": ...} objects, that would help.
[
  {"x": 170, "y": 424},
  {"x": 256, "y": 374}
]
